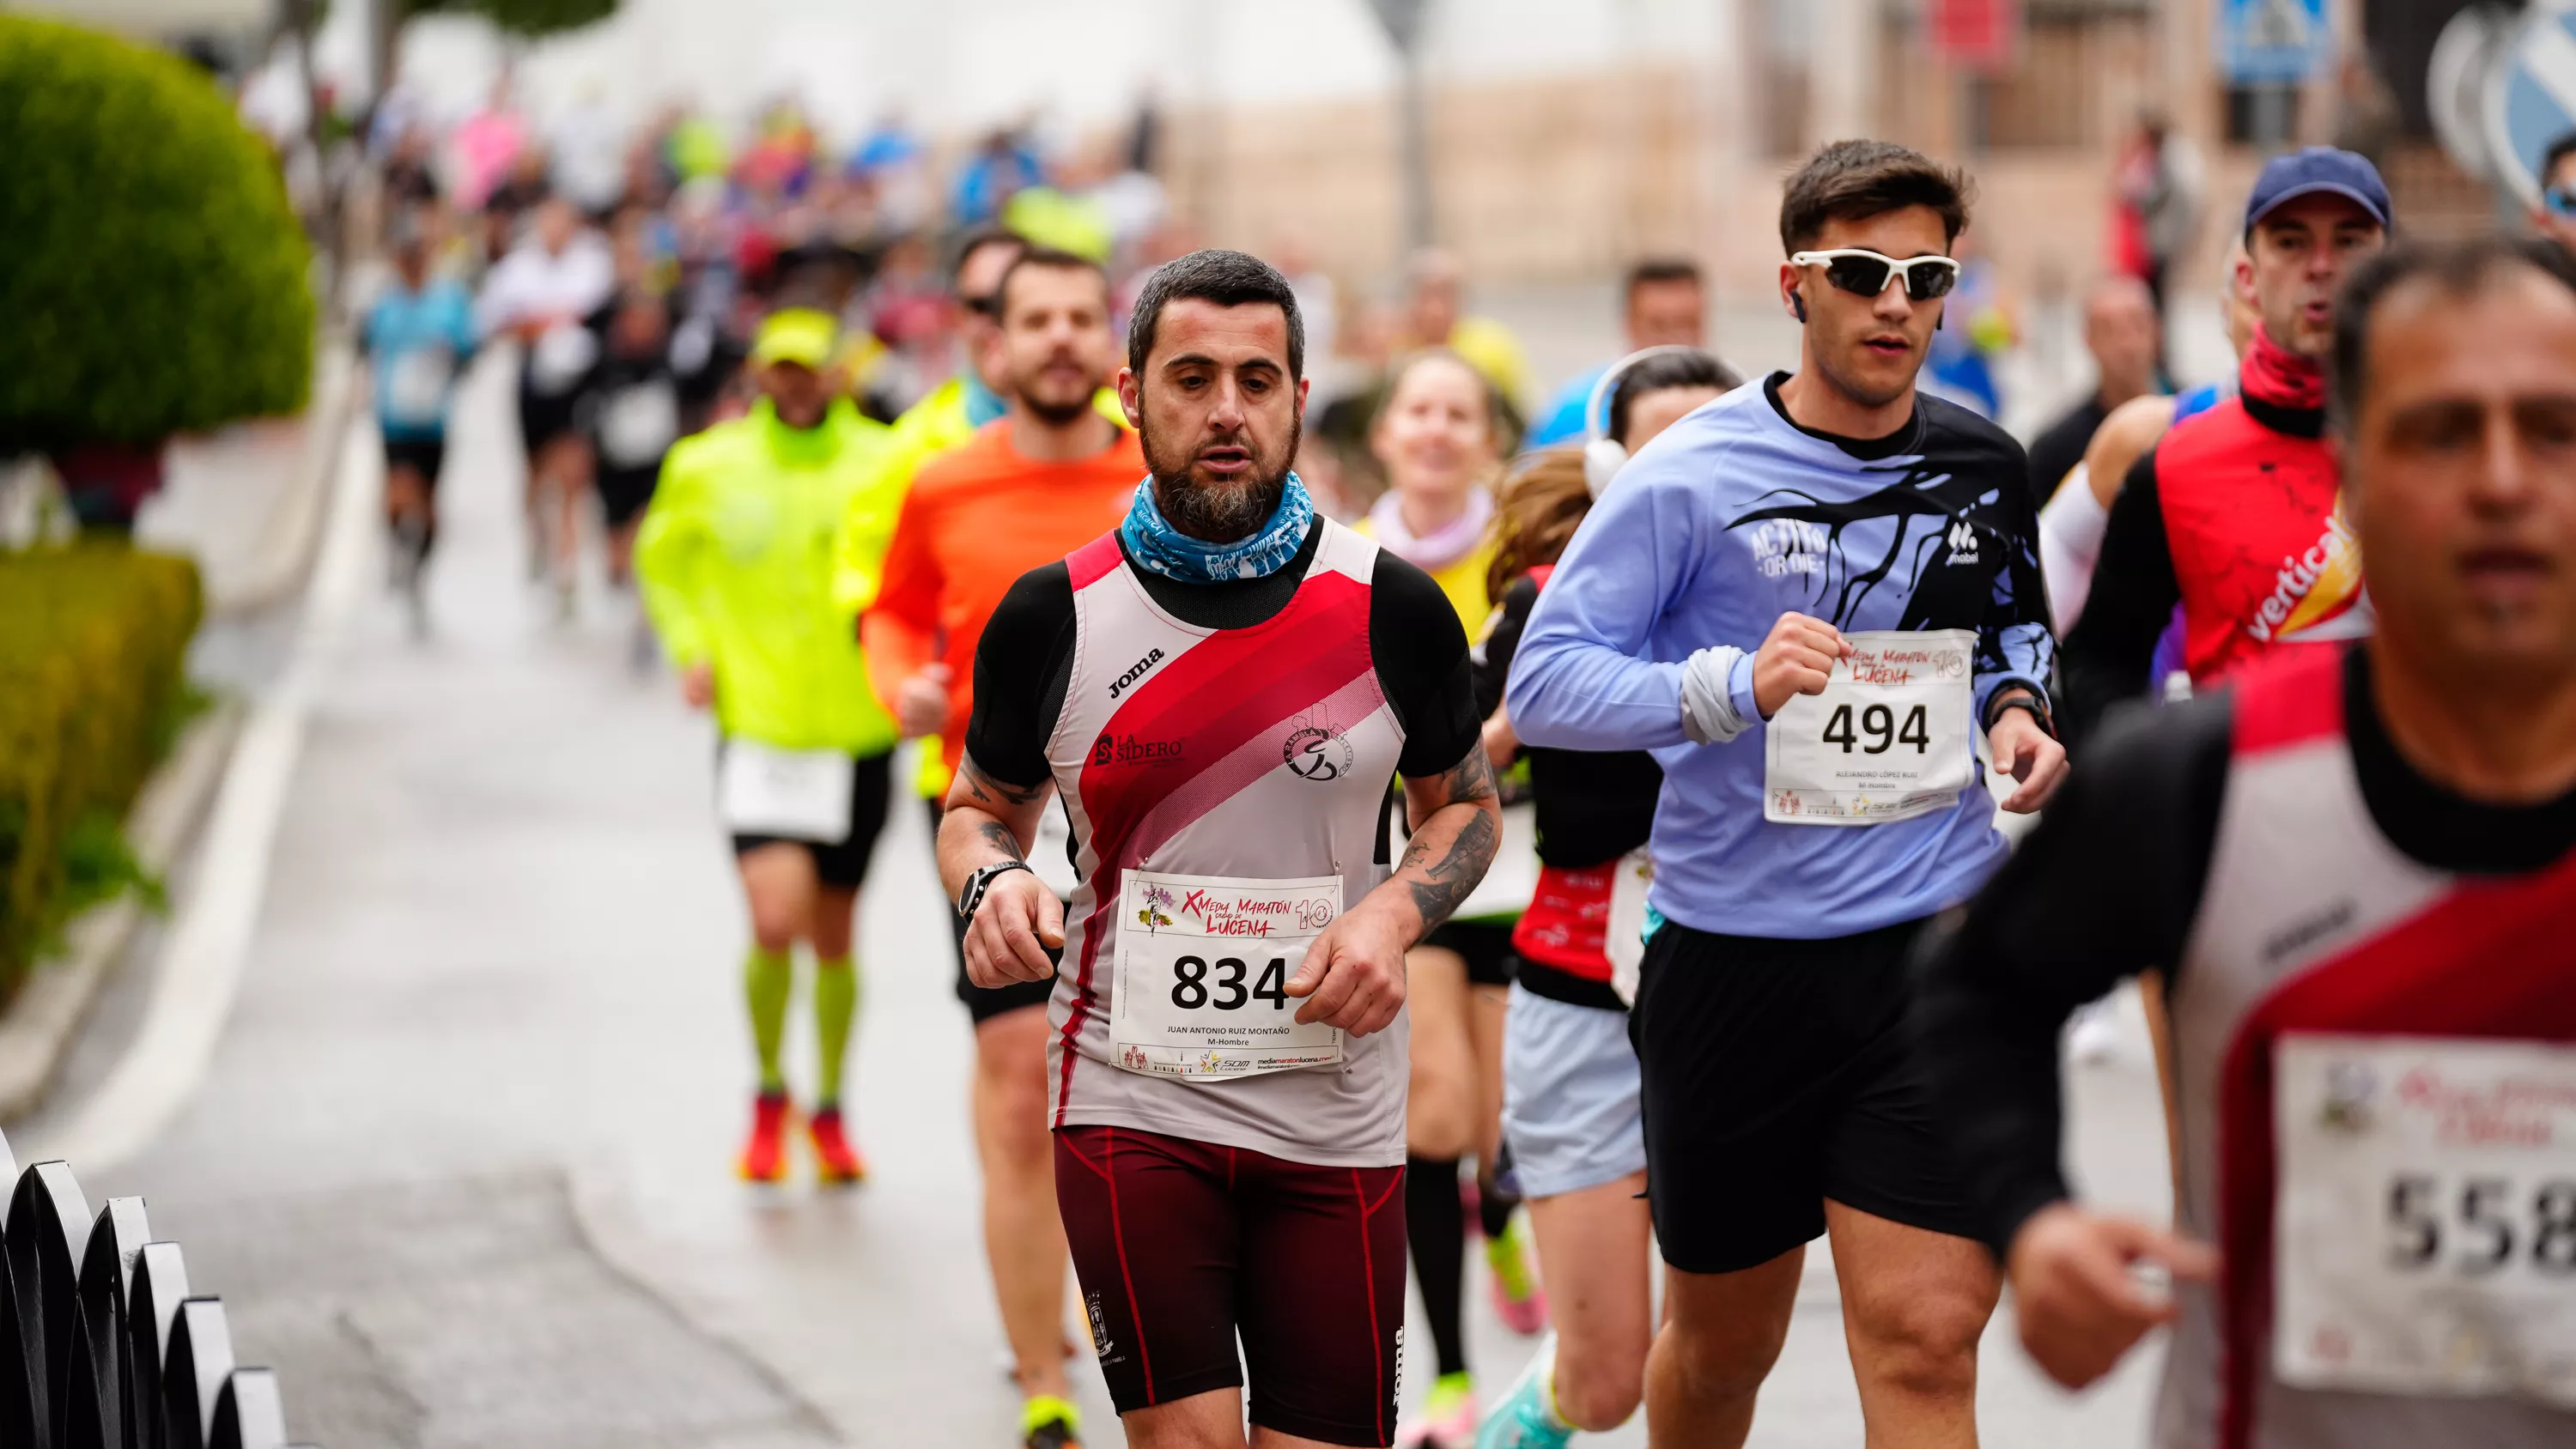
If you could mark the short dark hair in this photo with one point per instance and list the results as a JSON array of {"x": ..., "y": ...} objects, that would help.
[
  {"x": 1646, "y": 271},
  {"x": 1690, "y": 367},
  {"x": 974, "y": 239},
  {"x": 1053, "y": 259},
  {"x": 1853, "y": 180},
  {"x": 1229, "y": 279},
  {"x": 2460, "y": 268},
  {"x": 2559, "y": 150}
]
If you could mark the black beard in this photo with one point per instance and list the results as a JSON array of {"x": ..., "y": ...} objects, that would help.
[
  {"x": 1055, "y": 415},
  {"x": 1218, "y": 513},
  {"x": 1209, "y": 511}
]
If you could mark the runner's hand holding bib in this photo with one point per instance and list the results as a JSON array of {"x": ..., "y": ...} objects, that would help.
[{"x": 1825, "y": 696}]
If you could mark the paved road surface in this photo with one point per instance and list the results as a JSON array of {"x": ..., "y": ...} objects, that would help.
[{"x": 460, "y": 1159}]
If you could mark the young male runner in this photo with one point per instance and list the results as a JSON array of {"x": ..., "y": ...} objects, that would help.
[
  {"x": 1221, "y": 689},
  {"x": 1808, "y": 598},
  {"x": 1047, "y": 476},
  {"x": 2239, "y": 518},
  {"x": 2359, "y": 865},
  {"x": 734, "y": 565}
]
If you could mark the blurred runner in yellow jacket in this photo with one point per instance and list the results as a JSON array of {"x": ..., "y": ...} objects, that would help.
[{"x": 735, "y": 558}]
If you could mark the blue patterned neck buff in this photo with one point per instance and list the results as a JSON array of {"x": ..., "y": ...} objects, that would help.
[{"x": 1156, "y": 545}]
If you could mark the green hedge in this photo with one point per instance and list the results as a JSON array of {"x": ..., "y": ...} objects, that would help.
[
  {"x": 153, "y": 278},
  {"x": 93, "y": 647}
]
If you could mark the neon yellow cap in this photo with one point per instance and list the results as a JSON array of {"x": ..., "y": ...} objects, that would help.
[{"x": 796, "y": 334}]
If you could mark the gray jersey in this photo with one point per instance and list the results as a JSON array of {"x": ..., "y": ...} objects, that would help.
[{"x": 1250, "y": 765}]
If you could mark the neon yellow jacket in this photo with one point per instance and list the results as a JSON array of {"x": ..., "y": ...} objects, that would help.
[{"x": 735, "y": 559}]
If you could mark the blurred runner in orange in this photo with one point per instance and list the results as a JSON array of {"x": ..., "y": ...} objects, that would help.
[{"x": 1049, "y": 476}]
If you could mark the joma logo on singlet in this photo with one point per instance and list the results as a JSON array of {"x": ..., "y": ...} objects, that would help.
[{"x": 1135, "y": 671}]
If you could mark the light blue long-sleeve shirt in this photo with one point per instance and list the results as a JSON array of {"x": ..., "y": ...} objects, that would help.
[{"x": 1731, "y": 518}]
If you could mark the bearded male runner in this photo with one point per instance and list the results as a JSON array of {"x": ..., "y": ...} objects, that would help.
[{"x": 1221, "y": 691}]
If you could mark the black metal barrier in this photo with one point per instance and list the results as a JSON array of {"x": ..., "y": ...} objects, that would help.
[{"x": 102, "y": 1344}]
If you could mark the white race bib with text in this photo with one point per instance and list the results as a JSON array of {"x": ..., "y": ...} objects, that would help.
[
  {"x": 416, "y": 386},
  {"x": 792, "y": 794},
  {"x": 562, "y": 354},
  {"x": 1889, "y": 739},
  {"x": 2425, "y": 1238},
  {"x": 1203, "y": 966},
  {"x": 638, "y": 424}
]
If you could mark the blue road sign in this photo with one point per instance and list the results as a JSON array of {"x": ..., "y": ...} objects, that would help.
[
  {"x": 2272, "y": 41},
  {"x": 2531, "y": 97}
]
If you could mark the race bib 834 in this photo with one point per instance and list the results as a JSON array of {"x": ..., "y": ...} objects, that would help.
[{"x": 1203, "y": 968}]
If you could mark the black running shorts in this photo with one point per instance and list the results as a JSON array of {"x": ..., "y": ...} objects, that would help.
[
  {"x": 1778, "y": 1074},
  {"x": 844, "y": 863},
  {"x": 983, "y": 1003},
  {"x": 425, "y": 456},
  {"x": 623, "y": 492},
  {"x": 1182, "y": 1247},
  {"x": 1486, "y": 947},
  {"x": 544, "y": 417}
]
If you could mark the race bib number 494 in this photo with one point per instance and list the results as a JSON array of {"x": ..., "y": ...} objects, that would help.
[
  {"x": 2425, "y": 1241},
  {"x": 1889, "y": 738},
  {"x": 1203, "y": 968}
]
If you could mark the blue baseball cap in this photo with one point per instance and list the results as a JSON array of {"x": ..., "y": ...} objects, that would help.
[{"x": 2318, "y": 169}]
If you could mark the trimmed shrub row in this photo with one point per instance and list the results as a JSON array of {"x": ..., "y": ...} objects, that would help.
[{"x": 93, "y": 651}]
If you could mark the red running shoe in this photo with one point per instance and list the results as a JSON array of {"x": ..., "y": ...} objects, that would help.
[
  {"x": 764, "y": 1157},
  {"x": 835, "y": 1161}
]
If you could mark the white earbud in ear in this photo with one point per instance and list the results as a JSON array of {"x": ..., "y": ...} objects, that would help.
[{"x": 1602, "y": 458}]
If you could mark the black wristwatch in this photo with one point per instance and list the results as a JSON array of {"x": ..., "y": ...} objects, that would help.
[
  {"x": 2038, "y": 711},
  {"x": 981, "y": 881}
]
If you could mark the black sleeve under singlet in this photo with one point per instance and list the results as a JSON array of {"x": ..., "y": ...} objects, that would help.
[
  {"x": 2113, "y": 643},
  {"x": 1421, "y": 653},
  {"x": 2104, "y": 888},
  {"x": 1025, "y": 658},
  {"x": 1022, "y": 665}
]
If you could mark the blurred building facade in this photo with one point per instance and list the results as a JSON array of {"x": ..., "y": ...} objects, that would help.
[{"x": 1679, "y": 142}]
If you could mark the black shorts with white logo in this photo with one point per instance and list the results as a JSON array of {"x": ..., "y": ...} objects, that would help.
[{"x": 1778, "y": 1074}]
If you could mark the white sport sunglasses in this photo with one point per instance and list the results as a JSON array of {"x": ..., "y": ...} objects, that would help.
[{"x": 1866, "y": 273}]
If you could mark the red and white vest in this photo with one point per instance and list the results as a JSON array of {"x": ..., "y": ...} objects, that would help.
[
  {"x": 2377, "y": 1076},
  {"x": 1258, "y": 754}
]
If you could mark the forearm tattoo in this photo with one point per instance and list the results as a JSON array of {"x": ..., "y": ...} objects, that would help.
[
  {"x": 997, "y": 835},
  {"x": 985, "y": 788},
  {"x": 1454, "y": 876}
]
